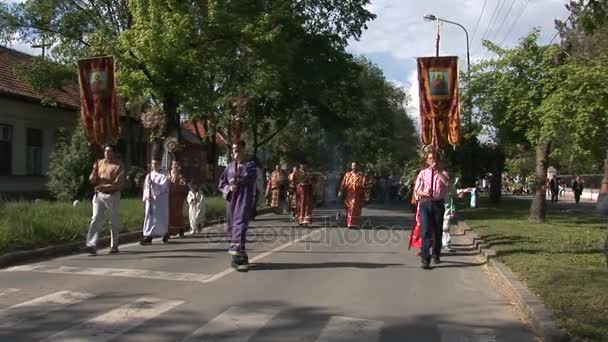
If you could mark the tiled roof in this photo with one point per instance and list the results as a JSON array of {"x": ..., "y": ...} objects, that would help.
[
  {"x": 12, "y": 83},
  {"x": 202, "y": 133}
]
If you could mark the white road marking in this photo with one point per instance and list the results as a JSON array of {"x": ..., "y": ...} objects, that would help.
[
  {"x": 236, "y": 324},
  {"x": 453, "y": 333},
  {"x": 115, "y": 322},
  {"x": 261, "y": 256},
  {"x": 348, "y": 329},
  {"x": 5, "y": 292},
  {"x": 39, "y": 307},
  {"x": 112, "y": 272}
]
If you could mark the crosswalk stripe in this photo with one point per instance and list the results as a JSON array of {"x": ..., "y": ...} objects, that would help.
[
  {"x": 452, "y": 333},
  {"x": 4, "y": 292},
  {"x": 348, "y": 329},
  {"x": 236, "y": 324},
  {"x": 115, "y": 322},
  {"x": 112, "y": 272},
  {"x": 39, "y": 307}
]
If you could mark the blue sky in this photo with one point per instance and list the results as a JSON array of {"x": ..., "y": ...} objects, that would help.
[{"x": 399, "y": 33}]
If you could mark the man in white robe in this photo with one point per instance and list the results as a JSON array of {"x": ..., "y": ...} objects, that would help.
[{"x": 156, "y": 199}]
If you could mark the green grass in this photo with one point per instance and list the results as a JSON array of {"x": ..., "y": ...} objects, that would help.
[
  {"x": 28, "y": 225},
  {"x": 560, "y": 260}
]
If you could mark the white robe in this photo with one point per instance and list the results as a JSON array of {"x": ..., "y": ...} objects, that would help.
[
  {"x": 156, "y": 198},
  {"x": 196, "y": 210}
]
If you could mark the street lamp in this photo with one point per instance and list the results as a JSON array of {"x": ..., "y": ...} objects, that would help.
[{"x": 431, "y": 17}]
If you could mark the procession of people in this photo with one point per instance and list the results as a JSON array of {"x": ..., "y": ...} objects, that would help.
[{"x": 165, "y": 194}]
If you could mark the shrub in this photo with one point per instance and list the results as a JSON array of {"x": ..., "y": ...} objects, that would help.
[{"x": 70, "y": 166}]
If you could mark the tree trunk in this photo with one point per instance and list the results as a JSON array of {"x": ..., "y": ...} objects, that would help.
[
  {"x": 171, "y": 116},
  {"x": 538, "y": 207}
]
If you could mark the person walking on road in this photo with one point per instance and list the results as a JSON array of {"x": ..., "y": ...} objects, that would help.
[
  {"x": 353, "y": 191},
  {"x": 107, "y": 177},
  {"x": 156, "y": 203},
  {"x": 238, "y": 187},
  {"x": 577, "y": 189},
  {"x": 430, "y": 190},
  {"x": 304, "y": 193}
]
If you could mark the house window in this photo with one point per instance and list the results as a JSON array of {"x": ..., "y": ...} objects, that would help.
[
  {"x": 6, "y": 149},
  {"x": 34, "y": 152}
]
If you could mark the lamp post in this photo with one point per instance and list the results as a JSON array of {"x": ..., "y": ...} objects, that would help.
[{"x": 431, "y": 17}]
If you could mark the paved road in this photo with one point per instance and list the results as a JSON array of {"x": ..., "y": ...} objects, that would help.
[{"x": 308, "y": 284}]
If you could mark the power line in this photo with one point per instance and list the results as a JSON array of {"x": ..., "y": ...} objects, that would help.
[
  {"x": 504, "y": 20},
  {"x": 478, "y": 20},
  {"x": 488, "y": 27},
  {"x": 521, "y": 11},
  {"x": 557, "y": 31}
]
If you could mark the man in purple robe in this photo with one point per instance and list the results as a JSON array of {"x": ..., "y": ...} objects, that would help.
[{"x": 238, "y": 186}]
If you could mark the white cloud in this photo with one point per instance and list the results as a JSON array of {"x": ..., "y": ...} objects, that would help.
[
  {"x": 399, "y": 34},
  {"x": 399, "y": 29}
]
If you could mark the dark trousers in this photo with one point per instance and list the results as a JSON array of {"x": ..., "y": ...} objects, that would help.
[
  {"x": 553, "y": 196},
  {"x": 431, "y": 217},
  {"x": 577, "y": 197}
]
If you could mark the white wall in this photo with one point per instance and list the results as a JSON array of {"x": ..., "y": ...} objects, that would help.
[{"x": 22, "y": 115}]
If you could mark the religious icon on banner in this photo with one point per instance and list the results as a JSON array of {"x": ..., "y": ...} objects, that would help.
[
  {"x": 438, "y": 79},
  {"x": 439, "y": 101},
  {"x": 98, "y": 81}
]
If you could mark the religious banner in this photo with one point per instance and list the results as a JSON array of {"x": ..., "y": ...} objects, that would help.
[
  {"x": 98, "y": 100},
  {"x": 439, "y": 101}
]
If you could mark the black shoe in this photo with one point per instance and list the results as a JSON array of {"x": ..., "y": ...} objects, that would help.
[
  {"x": 240, "y": 263},
  {"x": 92, "y": 250},
  {"x": 166, "y": 238},
  {"x": 114, "y": 250},
  {"x": 146, "y": 241},
  {"x": 181, "y": 233},
  {"x": 425, "y": 264},
  {"x": 436, "y": 260}
]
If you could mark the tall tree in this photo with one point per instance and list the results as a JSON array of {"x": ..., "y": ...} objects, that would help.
[{"x": 535, "y": 97}]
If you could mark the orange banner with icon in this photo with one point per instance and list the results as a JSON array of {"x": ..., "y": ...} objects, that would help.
[
  {"x": 98, "y": 100},
  {"x": 439, "y": 100}
]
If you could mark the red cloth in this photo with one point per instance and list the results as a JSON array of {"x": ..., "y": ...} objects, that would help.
[{"x": 416, "y": 238}]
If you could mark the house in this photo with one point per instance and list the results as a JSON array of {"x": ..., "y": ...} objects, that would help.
[
  {"x": 29, "y": 129},
  {"x": 195, "y": 153}
]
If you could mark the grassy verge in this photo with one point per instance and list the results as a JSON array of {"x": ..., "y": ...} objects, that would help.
[
  {"x": 560, "y": 260},
  {"x": 27, "y": 225}
]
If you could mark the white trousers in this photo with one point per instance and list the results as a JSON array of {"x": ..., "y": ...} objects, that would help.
[{"x": 101, "y": 203}]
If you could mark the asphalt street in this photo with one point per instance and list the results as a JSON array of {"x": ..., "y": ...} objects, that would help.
[{"x": 322, "y": 283}]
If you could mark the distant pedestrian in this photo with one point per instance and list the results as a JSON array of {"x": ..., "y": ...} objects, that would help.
[
  {"x": 196, "y": 208},
  {"x": 554, "y": 187},
  {"x": 577, "y": 189},
  {"x": 107, "y": 177}
]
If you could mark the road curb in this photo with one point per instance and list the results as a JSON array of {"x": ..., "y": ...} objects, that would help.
[{"x": 539, "y": 314}]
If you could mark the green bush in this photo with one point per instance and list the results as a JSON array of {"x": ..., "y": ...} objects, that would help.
[
  {"x": 28, "y": 225},
  {"x": 70, "y": 166}
]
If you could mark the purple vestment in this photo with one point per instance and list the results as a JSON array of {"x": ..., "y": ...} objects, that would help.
[{"x": 240, "y": 204}]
